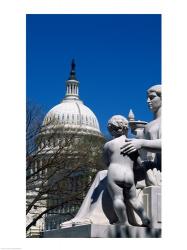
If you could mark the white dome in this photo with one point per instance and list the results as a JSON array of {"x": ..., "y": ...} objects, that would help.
[{"x": 73, "y": 114}]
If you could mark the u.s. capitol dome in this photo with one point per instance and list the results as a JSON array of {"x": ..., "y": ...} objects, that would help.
[{"x": 71, "y": 114}]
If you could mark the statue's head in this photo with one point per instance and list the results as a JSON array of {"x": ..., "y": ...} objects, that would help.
[
  {"x": 118, "y": 125},
  {"x": 154, "y": 97}
]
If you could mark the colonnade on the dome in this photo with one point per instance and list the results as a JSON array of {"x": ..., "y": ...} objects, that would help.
[
  {"x": 76, "y": 119},
  {"x": 72, "y": 89}
]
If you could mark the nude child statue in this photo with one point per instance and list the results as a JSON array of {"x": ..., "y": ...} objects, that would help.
[
  {"x": 120, "y": 178},
  {"x": 151, "y": 141}
]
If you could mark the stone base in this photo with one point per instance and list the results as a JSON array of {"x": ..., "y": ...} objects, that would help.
[
  {"x": 152, "y": 204},
  {"x": 103, "y": 231}
]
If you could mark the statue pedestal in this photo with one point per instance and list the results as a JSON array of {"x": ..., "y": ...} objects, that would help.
[
  {"x": 97, "y": 209},
  {"x": 152, "y": 204},
  {"x": 103, "y": 231}
]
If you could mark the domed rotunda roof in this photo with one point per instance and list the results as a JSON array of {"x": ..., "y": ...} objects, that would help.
[{"x": 71, "y": 114}]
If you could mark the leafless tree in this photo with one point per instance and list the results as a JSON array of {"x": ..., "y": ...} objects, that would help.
[{"x": 55, "y": 158}]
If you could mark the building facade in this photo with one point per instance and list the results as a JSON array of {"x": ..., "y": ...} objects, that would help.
[{"x": 69, "y": 149}]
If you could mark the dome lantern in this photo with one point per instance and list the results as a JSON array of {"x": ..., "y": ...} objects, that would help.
[{"x": 72, "y": 85}]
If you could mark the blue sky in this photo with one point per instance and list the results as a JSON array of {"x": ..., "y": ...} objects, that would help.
[{"x": 117, "y": 58}]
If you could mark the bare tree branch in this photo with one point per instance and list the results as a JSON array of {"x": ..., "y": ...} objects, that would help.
[{"x": 54, "y": 158}]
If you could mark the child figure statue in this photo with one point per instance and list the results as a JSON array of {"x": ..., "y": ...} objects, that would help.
[{"x": 120, "y": 178}]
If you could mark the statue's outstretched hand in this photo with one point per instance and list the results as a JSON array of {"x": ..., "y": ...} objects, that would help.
[{"x": 131, "y": 146}]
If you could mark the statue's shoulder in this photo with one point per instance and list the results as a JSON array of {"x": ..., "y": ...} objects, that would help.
[
  {"x": 106, "y": 145},
  {"x": 153, "y": 130},
  {"x": 149, "y": 125},
  {"x": 153, "y": 123},
  {"x": 109, "y": 144}
]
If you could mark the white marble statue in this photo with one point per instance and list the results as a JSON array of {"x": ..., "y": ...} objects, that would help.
[
  {"x": 151, "y": 141},
  {"x": 131, "y": 162},
  {"x": 120, "y": 178}
]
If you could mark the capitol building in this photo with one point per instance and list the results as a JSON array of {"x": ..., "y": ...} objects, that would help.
[
  {"x": 71, "y": 137},
  {"x": 71, "y": 113}
]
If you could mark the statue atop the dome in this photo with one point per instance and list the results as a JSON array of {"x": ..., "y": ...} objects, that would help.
[
  {"x": 120, "y": 178},
  {"x": 73, "y": 65},
  {"x": 72, "y": 72}
]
